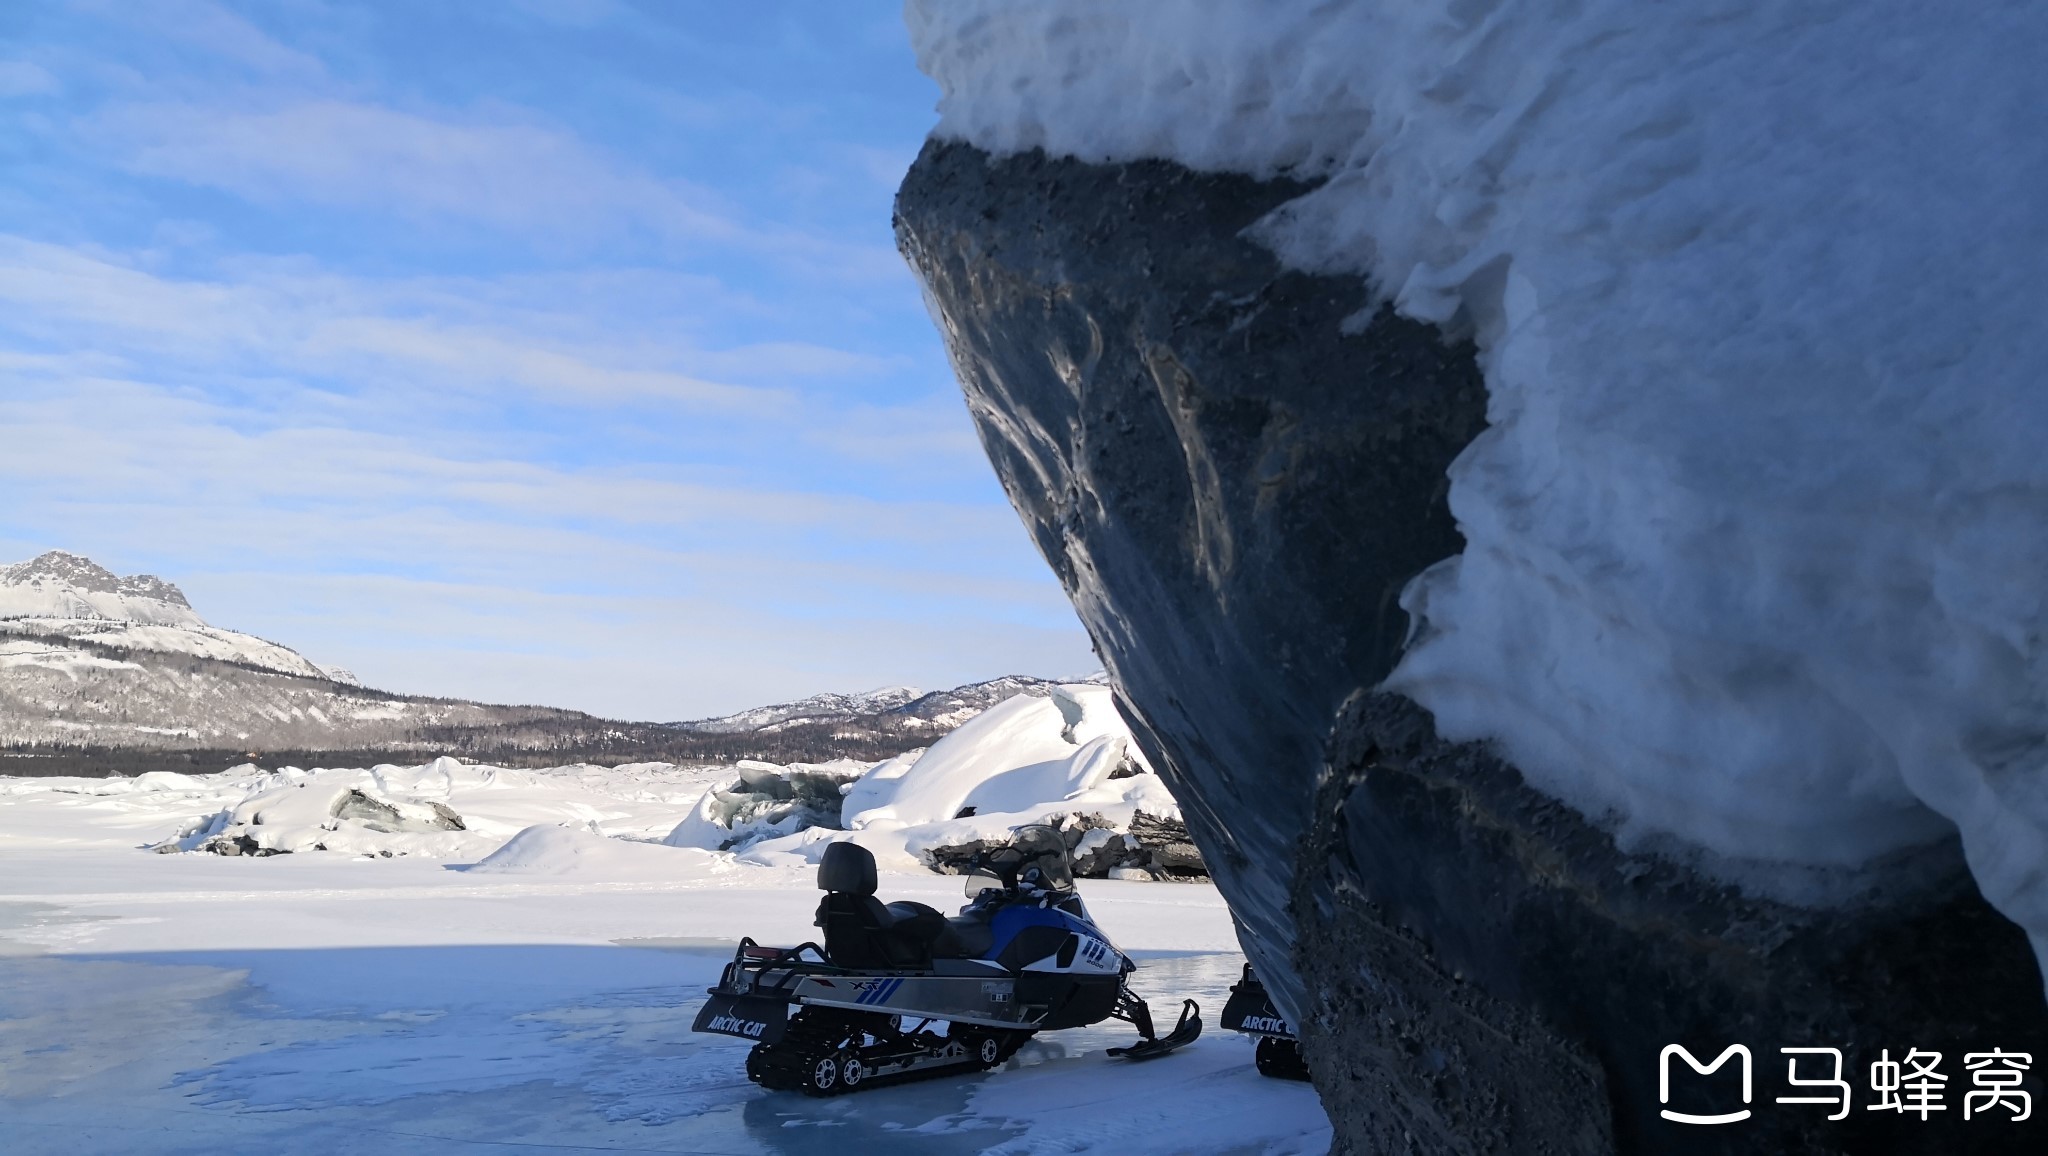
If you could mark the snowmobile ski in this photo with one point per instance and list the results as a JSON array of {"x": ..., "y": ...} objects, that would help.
[
  {"x": 899, "y": 992},
  {"x": 1151, "y": 1046}
]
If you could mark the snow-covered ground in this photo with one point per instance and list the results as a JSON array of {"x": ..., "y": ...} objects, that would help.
[{"x": 517, "y": 993}]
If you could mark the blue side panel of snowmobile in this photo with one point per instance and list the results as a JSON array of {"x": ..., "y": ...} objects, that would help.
[{"x": 1011, "y": 920}]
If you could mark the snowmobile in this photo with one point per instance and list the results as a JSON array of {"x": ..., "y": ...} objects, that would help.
[
  {"x": 899, "y": 992},
  {"x": 1250, "y": 1010}
]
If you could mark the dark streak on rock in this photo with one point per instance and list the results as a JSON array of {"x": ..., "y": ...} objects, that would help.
[{"x": 1232, "y": 489}]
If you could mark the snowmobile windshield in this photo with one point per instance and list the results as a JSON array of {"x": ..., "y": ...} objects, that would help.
[{"x": 1043, "y": 852}]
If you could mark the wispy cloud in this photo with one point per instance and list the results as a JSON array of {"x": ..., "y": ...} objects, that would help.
[
  {"x": 216, "y": 31},
  {"x": 480, "y": 555},
  {"x": 325, "y": 326},
  {"x": 547, "y": 351},
  {"x": 23, "y": 78},
  {"x": 574, "y": 13},
  {"x": 498, "y": 170}
]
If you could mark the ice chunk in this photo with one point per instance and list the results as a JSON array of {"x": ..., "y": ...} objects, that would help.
[
  {"x": 1064, "y": 758},
  {"x": 1022, "y": 752},
  {"x": 768, "y": 801}
]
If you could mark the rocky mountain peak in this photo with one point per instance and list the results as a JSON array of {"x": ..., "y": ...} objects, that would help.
[{"x": 60, "y": 584}]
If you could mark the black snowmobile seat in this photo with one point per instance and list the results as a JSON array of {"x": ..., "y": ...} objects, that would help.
[
  {"x": 859, "y": 931},
  {"x": 964, "y": 937}
]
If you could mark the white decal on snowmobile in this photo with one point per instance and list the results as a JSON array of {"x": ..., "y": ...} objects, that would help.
[
  {"x": 734, "y": 1025},
  {"x": 1273, "y": 1024}
]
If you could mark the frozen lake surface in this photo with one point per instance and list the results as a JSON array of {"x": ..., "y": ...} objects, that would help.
[{"x": 325, "y": 1003}]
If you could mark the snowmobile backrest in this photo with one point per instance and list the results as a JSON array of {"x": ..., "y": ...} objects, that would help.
[{"x": 847, "y": 867}]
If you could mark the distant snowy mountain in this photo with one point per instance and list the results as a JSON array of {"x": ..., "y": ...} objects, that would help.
[
  {"x": 64, "y": 585},
  {"x": 100, "y": 672},
  {"x": 92, "y": 660},
  {"x": 62, "y": 597},
  {"x": 895, "y": 711},
  {"x": 819, "y": 708}
]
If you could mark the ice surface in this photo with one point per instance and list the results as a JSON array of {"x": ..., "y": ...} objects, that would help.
[
  {"x": 551, "y": 1048},
  {"x": 331, "y": 1003},
  {"x": 1756, "y": 537}
]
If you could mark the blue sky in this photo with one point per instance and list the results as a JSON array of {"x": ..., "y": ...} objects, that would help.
[{"x": 537, "y": 350}]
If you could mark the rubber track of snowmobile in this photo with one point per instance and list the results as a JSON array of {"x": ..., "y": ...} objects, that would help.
[{"x": 783, "y": 1065}]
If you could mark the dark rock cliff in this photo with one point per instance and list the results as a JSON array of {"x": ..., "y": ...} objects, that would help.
[
  {"x": 1198, "y": 449},
  {"x": 1234, "y": 469}
]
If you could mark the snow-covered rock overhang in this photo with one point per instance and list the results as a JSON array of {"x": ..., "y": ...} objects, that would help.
[{"x": 1744, "y": 567}]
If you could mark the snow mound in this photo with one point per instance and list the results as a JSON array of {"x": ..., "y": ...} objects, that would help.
[
  {"x": 331, "y": 815},
  {"x": 445, "y": 809},
  {"x": 1065, "y": 758},
  {"x": 1019, "y": 754},
  {"x": 1755, "y": 537},
  {"x": 551, "y": 850}
]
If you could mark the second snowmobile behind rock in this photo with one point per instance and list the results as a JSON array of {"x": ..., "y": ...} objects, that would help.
[
  {"x": 900, "y": 992},
  {"x": 1250, "y": 1010}
]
